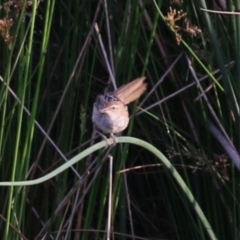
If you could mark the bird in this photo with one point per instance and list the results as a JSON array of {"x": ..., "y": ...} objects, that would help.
[{"x": 110, "y": 111}]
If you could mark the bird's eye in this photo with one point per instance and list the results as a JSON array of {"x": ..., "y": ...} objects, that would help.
[{"x": 113, "y": 108}]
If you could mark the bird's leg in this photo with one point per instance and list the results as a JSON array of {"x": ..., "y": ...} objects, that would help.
[
  {"x": 108, "y": 144},
  {"x": 115, "y": 141}
]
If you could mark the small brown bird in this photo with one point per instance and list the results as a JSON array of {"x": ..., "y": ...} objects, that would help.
[{"x": 110, "y": 111}]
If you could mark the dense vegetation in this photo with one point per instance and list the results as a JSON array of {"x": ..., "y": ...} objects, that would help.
[{"x": 181, "y": 181}]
